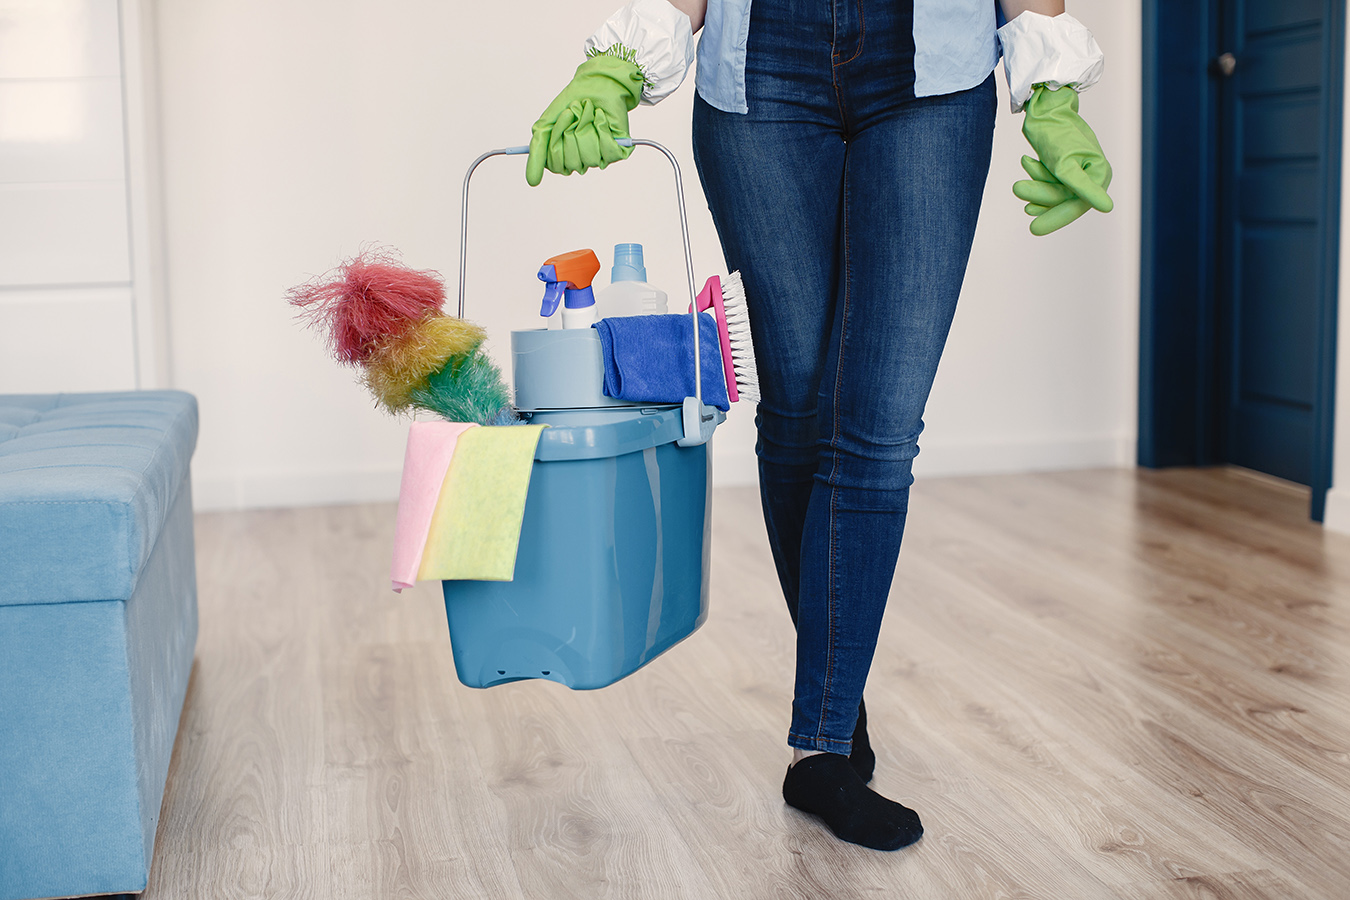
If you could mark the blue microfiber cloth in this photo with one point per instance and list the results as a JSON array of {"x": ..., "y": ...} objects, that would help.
[{"x": 650, "y": 359}]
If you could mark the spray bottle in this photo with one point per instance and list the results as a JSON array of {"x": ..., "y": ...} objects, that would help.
[
  {"x": 629, "y": 294},
  {"x": 568, "y": 278}
]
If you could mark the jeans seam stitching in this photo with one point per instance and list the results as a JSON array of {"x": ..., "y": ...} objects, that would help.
[
  {"x": 830, "y": 629},
  {"x": 820, "y": 740},
  {"x": 862, "y": 34},
  {"x": 830, "y": 596},
  {"x": 838, "y": 99},
  {"x": 834, "y": 79}
]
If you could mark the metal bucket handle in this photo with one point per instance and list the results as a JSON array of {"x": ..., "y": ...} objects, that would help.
[{"x": 699, "y": 420}]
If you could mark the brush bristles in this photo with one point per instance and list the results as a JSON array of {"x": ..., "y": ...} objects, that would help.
[{"x": 738, "y": 333}]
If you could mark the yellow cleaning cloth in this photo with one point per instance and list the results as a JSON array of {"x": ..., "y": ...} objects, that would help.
[{"x": 475, "y": 529}]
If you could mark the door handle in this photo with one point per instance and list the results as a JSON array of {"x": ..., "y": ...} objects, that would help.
[{"x": 1225, "y": 64}]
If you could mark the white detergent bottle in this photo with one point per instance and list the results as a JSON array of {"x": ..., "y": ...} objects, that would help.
[{"x": 628, "y": 293}]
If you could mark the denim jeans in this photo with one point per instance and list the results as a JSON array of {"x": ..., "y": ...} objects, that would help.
[{"x": 849, "y": 208}]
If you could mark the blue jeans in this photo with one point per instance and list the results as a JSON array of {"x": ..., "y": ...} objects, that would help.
[{"x": 849, "y": 208}]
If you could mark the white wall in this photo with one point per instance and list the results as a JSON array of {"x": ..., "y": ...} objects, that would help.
[{"x": 295, "y": 132}]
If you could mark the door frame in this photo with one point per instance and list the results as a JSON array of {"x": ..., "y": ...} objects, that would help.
[{"x": 1178, "y": 402}]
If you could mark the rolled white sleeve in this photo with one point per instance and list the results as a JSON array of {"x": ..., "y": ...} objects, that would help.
[
  {"x": 662, "y": 37},
  {"x": 1057, "y": 51}
]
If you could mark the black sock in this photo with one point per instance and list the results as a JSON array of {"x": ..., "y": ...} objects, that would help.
[
  {"x": 826, "y": 785},
  {"x": 863, "y": 759}
]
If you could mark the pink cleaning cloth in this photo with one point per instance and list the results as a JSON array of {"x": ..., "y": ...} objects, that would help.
[{"x": 431, "y": 445}]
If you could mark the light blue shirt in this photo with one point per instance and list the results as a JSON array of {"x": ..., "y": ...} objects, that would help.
[{"x": 955, "y": 49}]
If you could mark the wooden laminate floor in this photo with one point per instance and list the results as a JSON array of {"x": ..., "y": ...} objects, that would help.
[{"x": 1104, "y": 684}]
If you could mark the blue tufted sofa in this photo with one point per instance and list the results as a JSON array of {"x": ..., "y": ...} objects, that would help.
[{"x": 98, "y": 623}]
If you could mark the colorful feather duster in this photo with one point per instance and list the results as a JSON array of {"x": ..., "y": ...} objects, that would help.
[{"x": 386, "y": 318}]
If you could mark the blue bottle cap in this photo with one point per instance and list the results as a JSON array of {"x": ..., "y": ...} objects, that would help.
[
  {"x": 579, "y": 298},
  {"x": 628, "y": 263}
]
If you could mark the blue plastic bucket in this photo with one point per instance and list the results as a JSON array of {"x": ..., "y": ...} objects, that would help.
[{"x": 612, "y": 568}]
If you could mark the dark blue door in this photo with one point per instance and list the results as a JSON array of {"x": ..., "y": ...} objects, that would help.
[{"x": 1274, "y": 234}]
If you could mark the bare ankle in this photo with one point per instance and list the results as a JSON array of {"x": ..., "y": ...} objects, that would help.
[{"x": 798, "y": 754}]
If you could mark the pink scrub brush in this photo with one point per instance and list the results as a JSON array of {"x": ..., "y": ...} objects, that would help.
[
  {"x": 386, "y": 318},
  {"x": 726, "y": 300}
]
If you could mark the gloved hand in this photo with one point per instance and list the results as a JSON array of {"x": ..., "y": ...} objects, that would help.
[
  {"x": 581, "y": 125},
  {"x": 1072, "y": 174}
]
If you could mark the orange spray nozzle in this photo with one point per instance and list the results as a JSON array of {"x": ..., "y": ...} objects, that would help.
[
  {"x": 576, "y": 268},
  {"x": 570, "y": 272}
]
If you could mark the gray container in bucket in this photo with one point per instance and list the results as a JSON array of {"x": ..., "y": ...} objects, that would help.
[{"x": 558, "y": 369}]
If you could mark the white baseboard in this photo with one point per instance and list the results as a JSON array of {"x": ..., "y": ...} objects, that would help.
[
  {"x": 1337, "y": 516},
  {"x": 938, "y": 459},
  {"x": 211, "y": 493},
  {"x": 263, "y": 490},
  {"x": 733, "y": 466}
]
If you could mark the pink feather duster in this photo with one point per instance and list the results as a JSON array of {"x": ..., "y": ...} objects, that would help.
[{"x": 368, "y": 300}]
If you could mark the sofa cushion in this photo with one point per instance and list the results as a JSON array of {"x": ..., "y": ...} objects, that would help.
[{"x": 86, "y": 481}]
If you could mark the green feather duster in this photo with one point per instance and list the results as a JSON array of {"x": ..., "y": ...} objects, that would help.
[{"x": 468, "y": 389}]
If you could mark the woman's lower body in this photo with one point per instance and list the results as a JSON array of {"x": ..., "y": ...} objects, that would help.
[{"x": 849, "y": 207}]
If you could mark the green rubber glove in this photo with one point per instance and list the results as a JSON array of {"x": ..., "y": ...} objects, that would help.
[
  {"x": 580, "y": 127},
  {"x": 1072, "y": 174}
]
